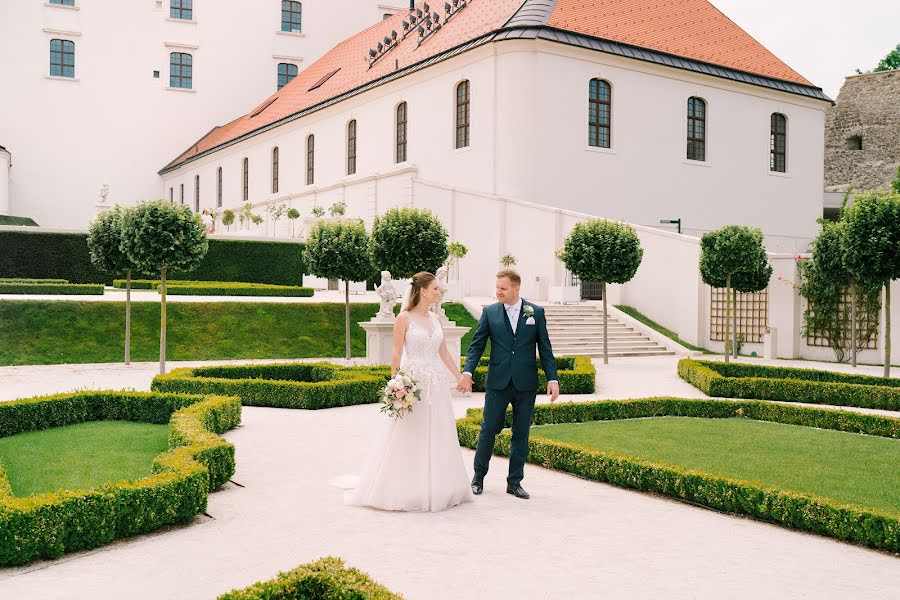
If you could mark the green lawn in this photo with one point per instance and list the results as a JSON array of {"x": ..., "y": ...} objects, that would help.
[
  {"x": 37, "y": 332},
  {"x": 851, "y": 468},
  {"x": 82, "y": 456},
  {"x": 635, "y": 314}
]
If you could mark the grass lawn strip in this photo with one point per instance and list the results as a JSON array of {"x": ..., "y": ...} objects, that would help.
[
  {"x": 81, "y": 456},
  {"x": 847, "y": 467}
]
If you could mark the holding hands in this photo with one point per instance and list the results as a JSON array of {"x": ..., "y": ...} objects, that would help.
[{"x": 464, "y": 383}]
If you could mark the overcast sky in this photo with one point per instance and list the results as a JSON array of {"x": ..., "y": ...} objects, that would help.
[{"x": 823, "y": 40}]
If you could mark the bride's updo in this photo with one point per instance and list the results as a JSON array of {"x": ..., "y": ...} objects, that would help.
[{"x": 420, "y": 281}]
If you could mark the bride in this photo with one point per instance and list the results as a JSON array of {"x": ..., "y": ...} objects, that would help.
[{"x": 415, "y": 463}]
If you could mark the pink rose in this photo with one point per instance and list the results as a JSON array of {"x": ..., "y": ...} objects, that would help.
[{"x": 400, "y": 393}]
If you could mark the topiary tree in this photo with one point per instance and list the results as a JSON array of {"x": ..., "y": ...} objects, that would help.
[
  {"x": 754, "y": 279},
  {"x": 256, "y": 220},
  {"x": 293, "y": 214},
  {"x": 276, "y": 211},
  {"x": 339, "y": 250},
  {"x": 245, "y": 214},
  {"x": 726, "y": 252},
  {"x": 604, "y": 251},
  {"x": 338, "y": 209},
  {"x": 508, "y": 260},
  {"x": 104, "y": 243},
  {"x": 871, "y": 249},
  {"x": 823, "y": 281},
  {"x": 456, "y": 252},
  {"x": 228, "y": 218},
  {"x": 318, "y": 212},
  {"x": 158, "y": 236},
  {"x": 408, "y": 240}
]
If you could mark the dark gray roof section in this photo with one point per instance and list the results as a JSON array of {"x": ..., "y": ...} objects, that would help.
[{"x": 532, "y": 13}]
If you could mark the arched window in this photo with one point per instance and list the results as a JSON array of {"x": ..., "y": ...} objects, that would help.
[
  {"x": 310, "y": 159},
  {"x": 351, "y": 147},
  {"x": 219, "y": 187},
  {"x": 696, "y": 129},
  {"x": 599, "y": 113},
  {"x": 246, "y": 180},
  {"x": 462, "y": 114},
  {"x": 778, "y": 143},
  {"x": 196, "y": 193},
  {"x": 171, "y": 195},
  {"x": 62, "y": 58},
  {"x": 181, "y": 70},
  {"x": 290, "y": 15},
  {"x": 400, "y": 155},
  {"x": 286, "y": 73},
  {"x": 182, "y": 194},
  {"x": 182, "y": 9},
  {"x": 275, "y": 170}
]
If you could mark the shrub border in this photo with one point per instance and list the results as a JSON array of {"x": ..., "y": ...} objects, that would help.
[
  {"x": 67, "y": 289},
  {"x": 197, "y": 461},
  {"x": 324, "y": 578},
  {"x": 795, "y": 510},
  {"x": 763, "y": 382}
]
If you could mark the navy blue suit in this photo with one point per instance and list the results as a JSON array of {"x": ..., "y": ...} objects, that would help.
[{"x": 512, "y": 378}]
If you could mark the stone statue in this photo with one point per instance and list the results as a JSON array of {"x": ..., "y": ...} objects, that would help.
[
  {"x": 388, "y": 296},
  {"x": 442, "y": 275}
]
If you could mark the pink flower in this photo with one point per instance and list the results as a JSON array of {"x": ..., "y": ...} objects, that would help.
[{"x": 399, "y": 393}]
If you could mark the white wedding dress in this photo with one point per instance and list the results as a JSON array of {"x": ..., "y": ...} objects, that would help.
[{"x": 415, "y": 463}]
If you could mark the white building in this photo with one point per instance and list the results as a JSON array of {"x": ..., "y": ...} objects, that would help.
[
  {"x": 93, "y": 91},
  {"x": 525, "y": 85}
]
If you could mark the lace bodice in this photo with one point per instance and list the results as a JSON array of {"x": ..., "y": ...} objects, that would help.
[{"x": 421, "y": 347}]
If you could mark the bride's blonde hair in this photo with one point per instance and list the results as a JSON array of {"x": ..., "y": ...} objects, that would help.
[{"x": 420, "y": 281}]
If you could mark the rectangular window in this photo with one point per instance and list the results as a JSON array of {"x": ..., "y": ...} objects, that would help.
[
  {"x": 351, "y": 147},
  {"x": 246, "y": 178},
  {"x": 275, "y": 170},
  {"x": 181, "y": 70},
  {"x": 63, "y": 2},
  {"x": 310, "y": 160},
  {"x": 196, "y": 193},
  {"x": 219, "y": 187},
  {"x": 290, "y": 15},
  {"x": 401, "y": 133},
  {"x": 62, "y": 58},
  {"x": 172, "y": 195},
  {"x": 182, "y": 193},
  {"x": 182, "y": 9},
  {"x": 286, "y": 74}
]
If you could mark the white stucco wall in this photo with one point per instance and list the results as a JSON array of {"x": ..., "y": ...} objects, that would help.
[
  {"x": 115, "y": 123},
  {"x": 5, "y": 160}
]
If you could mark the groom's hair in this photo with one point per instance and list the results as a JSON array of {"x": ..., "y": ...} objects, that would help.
[{"x": 512, "y": 275}]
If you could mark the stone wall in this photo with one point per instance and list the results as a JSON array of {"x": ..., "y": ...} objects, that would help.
[{"x": 867, "y": 113}]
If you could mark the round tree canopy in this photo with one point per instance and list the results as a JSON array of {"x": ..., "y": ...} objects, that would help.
[
  {"x": 730, "y": 250},
  {"x": 871, "y": 241},
  {"x": 406, "y": 241},
  {"x": 160, "y": 235},
  {"x": 601, "y": 250},
  {"x": 339, "y": 250},
  {"x": 104, "y": 242}
]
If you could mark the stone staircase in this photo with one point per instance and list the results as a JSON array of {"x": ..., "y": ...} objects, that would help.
[{"x": 578, "y": 329}]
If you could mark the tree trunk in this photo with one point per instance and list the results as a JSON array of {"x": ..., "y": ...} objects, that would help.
[
  {"x": 128, "y": 317},
  {"x": 887, "y": 329},
  {"x": 162, "y": 322},
  {"x": 853, "y": 323},
  {"x": 734, "y": 340},
  {"x": 605, "y": 333},
  {"x": 347, "y": 316},
  {"x": 727, "y": 316}
]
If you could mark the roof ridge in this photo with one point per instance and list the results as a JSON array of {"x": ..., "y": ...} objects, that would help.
[{"x": 532, "y": 13}]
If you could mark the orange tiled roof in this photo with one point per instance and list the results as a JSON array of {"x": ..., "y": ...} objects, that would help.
[
  {"x": 688, "y": 28},
  {"x": 692, "y": 29}
]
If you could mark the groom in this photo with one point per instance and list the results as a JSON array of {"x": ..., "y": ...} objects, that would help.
[{"x": 515, "y": 327}]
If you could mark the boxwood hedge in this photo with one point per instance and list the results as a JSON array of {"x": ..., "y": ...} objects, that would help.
[
  {"x": 63, "y": 289},
  {"x": 791, "y": 509},
  {"x": 762, "y": 382},
  {"x": 198, "y": 460},
  {"x": 326, "y": 578}
]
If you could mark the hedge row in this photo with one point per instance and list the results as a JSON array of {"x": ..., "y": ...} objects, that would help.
[
  {"x": 790, "y": 385},
  {"x": 795, "y": 510},
  {"x": 51, "y": 524},
  {"x": 326, "y": 578},
  {"x": 293, "y": 385},
  {"x": 324, "y": 385},
  {"x": 136, "y": 284},
  {"x": 14, "y": 280},
  {"x": 237, "y": 289},
  {"x": 65, "y": 255},
  {"x": 65, "y": 289}
]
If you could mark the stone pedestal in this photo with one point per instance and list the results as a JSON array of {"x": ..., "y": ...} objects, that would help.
[{"x": 380, "y": 340}]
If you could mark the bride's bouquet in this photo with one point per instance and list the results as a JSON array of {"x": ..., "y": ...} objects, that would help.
[{"x": 400, "y": 395}]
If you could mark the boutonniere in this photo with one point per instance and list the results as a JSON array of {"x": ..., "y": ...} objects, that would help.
[{"x": 528, "y": 311}]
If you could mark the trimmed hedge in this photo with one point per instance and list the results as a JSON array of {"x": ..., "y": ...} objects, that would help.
[
  {"x": 137, "y": 284},
  {"x": 294, "y": 385},
  {"x": 577, "y": 375},
  {"x": 38, "y": 254},
  {"x": 236, "y": 289},
  {"x": 13, "y": 280},
  {"x": 322, "y": 385},
  {"x": 198, "y": 461},
  {"x": 795, "y": 510},
  {"x": 325, "y": 579},
  {"x": 761, "y": 382},
  {"x": 66, "y": 289}
]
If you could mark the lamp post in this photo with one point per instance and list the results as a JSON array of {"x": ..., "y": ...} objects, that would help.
[{"x": 672, "y": 222}]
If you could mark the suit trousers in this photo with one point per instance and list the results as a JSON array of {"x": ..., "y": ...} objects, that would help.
[{"x": 495, "y": 405}]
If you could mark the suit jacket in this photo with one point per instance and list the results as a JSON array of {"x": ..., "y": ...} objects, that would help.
[{"x": 512, "y": 355}]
